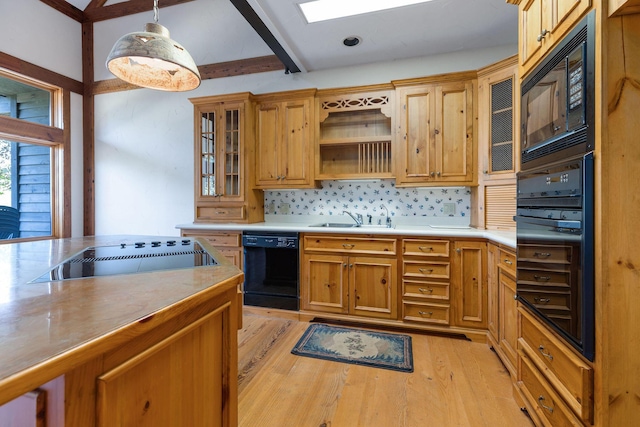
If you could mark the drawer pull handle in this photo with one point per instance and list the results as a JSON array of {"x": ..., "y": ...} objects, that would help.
[
  {"x": 541, "y": 278},
  {"x": 542, "y": 300},
  {"x": 425, "y": 290},
  {"x": 423, "y": 313},
  {"x": 542, "y": 254},
  {"x": 545, "y": 353},
  {"x": 508, "y": 262},
  {"x": 426, "y": 270},
  {"x": 548, "y": 408},
  {"x": 347, "y": 245},
  {"x": 425, "y": 248}
]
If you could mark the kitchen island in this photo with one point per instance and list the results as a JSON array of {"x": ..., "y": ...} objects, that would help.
[{"x": 154, "y": 348}]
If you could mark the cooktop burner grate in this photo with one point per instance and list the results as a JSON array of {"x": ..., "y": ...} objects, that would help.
[{"x": 137, "y": 256}]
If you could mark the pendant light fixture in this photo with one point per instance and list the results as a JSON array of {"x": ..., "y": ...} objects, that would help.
[{"x": 151, "y": 59}]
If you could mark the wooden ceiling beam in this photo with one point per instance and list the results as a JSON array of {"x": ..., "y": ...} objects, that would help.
[
  {"x": 93, "y": 4},
  {"x": 239, "y": 67},
  {"x": 126, "y": 8},
  {"x": 67, "y": 8}
]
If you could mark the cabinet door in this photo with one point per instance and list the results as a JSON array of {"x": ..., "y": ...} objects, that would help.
[
  {"x": 508, "y": 318},
  {"x": 492, "y": 292},
  {"x": 267, "y": 136},
  {"x": 531, "y": 12},
  {"x": 453, "y": 150},
  {"x": 417, "y": 120},
  {"x": 324, "y": 284},
  {"x": 295, "y": 147},
  {"x": 374, "y": 291},
  {"x": 469, "y": 279}
]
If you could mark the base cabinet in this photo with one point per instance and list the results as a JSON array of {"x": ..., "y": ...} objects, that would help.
[
  {"x": 469, "y": 262},
  {"x": 556, "y": 382},
  {"x": 503, "y": 307},
  {"x": 353, "y": 280}
]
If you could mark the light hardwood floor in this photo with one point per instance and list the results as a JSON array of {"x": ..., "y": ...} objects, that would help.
[{"x": 455, "y": 383}]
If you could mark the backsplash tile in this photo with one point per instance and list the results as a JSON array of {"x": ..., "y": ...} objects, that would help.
[{"x": 368, "y": 198}]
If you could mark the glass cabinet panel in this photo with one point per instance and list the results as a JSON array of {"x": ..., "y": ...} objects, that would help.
[{"x": 208, "y": 152}]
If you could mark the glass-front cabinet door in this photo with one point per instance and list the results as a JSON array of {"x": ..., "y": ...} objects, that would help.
[{"x": 221, "y": 161}]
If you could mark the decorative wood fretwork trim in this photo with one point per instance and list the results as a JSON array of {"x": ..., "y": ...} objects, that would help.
[{"x": 354, "y": 102}]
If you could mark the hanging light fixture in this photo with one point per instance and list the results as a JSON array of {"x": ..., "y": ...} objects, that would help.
[{"x": 151, "y": 59}]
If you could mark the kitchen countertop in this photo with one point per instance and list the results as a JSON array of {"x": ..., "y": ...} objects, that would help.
[
  {"x": 306, "y": 225},
  {"x": 46, "y": 326}
]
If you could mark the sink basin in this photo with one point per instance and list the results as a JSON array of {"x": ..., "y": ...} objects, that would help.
[{"x": 334, "y": 224}]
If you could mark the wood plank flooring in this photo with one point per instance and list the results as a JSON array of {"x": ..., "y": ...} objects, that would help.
[{"x": 455, "y": 383}]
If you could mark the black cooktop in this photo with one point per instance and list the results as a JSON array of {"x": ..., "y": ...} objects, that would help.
[{"x": 130, "y": 258}]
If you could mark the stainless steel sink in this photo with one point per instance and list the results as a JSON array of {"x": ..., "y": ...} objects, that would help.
[{"x": 335, "y": 224}]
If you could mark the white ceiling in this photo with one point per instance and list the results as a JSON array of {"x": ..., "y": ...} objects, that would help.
[{"x": 436, "y": 27}]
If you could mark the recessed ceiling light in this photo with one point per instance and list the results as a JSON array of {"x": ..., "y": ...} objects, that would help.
[
  {"x": 351, "y": 41},
  {"x": 323, "y": 10}
]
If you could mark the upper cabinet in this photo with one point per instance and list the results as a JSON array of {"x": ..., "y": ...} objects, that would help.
[
  {"x": 543, "y": 23},
  {"x": 223, "y": 158},
  {"x": 284, "y": 140},
  {"x": 436, "y": 143},
  {"x": 355, "y": 133}
]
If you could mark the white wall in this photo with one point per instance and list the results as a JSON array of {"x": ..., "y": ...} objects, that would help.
[
  {"x": 27, "y": 32},
  {"x": 144, "y": 138}
]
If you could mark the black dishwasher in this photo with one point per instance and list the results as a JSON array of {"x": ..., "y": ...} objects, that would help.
[{"x": 271, "y": 270}]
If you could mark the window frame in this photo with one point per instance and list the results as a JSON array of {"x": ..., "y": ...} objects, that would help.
[{"x": 57, "y": 137}]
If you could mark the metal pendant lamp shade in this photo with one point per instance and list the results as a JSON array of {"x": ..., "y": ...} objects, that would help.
[{"x": 151, "y": 59}]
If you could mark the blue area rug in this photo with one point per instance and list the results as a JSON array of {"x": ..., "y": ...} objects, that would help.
[{"x": 361, "y": 347}]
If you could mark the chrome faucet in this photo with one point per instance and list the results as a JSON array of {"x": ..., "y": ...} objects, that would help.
[
  {"x": 388, "y": 218},
  {"x": 357, "y": 219}
]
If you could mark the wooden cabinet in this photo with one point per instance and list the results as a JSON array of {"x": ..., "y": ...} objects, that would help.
[
  {"x": 556, "y": 382},
  {"x": 355, "y": 133},
  {"x": 543, "y": 23},
  {"x": 284, "y": 140},
  {"x": 224, "y": 160},
  {"x": 436, "y": 132},
  {"x": 426, "y": 274},
  {"x": 494, "y": 199},
  {"x": 349, "y": 275},
  {"x": 228, "y": 243},
  {"x": 469, "y": 282},
  {"x": 502, "y": 306},
  {"x": 623, "y": 7}
]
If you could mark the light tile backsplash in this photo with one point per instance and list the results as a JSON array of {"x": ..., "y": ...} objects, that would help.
[{"x": 368, "y": 198}]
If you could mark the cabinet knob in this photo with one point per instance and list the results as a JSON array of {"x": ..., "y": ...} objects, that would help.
[
  {"x": 438, "y": 173},
  {"x": 508, "y": 262},
  {"x": 458, "y": 250},
  {"x": 432, "y": 174},
  {"x": 542, "y": 34}
]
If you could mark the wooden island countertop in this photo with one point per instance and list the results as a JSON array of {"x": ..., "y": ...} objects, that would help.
[{"x": 87, "y": 329}]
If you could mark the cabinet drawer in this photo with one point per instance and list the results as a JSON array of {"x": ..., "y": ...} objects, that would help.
[
  {"x": 539, "y": 277},
  {"x": 507, "y": 261},
  {"x": 547, "y": 254},
  {"x": 222, "y": 239},
  {"x": 427, "y": 270},
  {"x": 426, "y": 248},
  {"x": 425, "y": 290},
  {"x": 549, "y": 299},
  {"x": 220, "y": 213},
  {"x": 426, "y": 313},
  {"x": 570, "y": 375},
  {"x": 547, "y": 404},
  {"x": 350, "y": 245}
]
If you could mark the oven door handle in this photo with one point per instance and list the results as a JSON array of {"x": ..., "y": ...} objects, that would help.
[{"x": 557, "y": 223}]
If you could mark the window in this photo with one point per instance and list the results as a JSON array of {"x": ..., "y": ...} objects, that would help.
[{"x": 31, "y": 146}]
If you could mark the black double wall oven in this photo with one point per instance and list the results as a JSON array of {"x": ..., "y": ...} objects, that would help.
[{"x": 555, "y": 198}]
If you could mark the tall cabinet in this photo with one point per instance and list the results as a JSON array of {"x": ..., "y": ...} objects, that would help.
[
  {"x": 494, "y": 199},
  {"x": 224, "y": 153}
]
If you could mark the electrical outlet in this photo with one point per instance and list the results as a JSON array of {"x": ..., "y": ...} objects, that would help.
[
  {"x": 449, "y": 209},
  {"x": 284, "y": 208}
]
